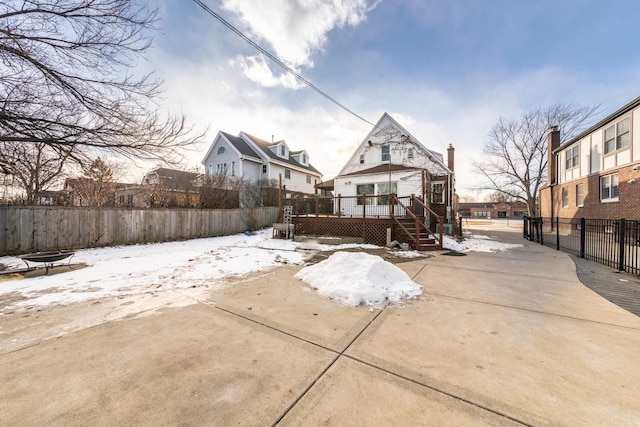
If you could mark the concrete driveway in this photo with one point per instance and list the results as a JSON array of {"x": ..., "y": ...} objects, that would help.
[{"x": 508, "y": 338}]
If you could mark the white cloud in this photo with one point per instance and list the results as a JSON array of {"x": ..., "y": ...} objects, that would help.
[
  {"x": 295, "y": 30},
  {"x": 257, "y": 70}
]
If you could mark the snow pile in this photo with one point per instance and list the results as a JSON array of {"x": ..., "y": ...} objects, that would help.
[{"x": 357, "y": 278}]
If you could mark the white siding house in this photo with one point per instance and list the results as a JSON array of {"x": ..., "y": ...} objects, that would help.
[
  {"x": 251, "y": 158},
  {"x": 390, "y": 160}
]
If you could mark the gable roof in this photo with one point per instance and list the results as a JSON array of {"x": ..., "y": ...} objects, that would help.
[
  {"x": 434, "y": 156},
  {"x": 630, "y": 106},
  {"x": 240, "y": 145},
  {"x": 174, "y": 179},
  {"x": 264, "y": 147}
]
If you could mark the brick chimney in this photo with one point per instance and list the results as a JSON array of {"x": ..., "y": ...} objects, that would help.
[
  {"x": 553, "y": 142},
  {"x": 450, "y": 157}
]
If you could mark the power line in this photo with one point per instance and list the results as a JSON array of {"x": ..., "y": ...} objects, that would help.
[{"x": 277, "y": 61}]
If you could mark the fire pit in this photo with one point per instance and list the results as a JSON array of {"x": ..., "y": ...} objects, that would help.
[{"x": 47, "y": 258}]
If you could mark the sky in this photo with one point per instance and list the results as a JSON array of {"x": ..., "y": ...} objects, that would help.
[
  {"x": 352, "y": 278},
  {"x": 446, "y": 70}
]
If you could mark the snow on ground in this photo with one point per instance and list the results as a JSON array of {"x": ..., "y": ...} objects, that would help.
[
  {"x": 150, "y": 268},
  {"x": 477, "y": 243},
  {"x": 373, "y": 282}
]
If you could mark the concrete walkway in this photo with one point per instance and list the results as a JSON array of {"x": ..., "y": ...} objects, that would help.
[{"x": 509, "y": 338}]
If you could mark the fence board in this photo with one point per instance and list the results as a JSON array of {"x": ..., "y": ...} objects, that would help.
[{"x": 25, "y": 229}]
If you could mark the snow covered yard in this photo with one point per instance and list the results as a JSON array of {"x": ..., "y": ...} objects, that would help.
[{"x": 356, "y": 278}]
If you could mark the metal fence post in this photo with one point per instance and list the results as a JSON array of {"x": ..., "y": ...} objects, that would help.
[
  {"x": 557, "y": 233},
  {"x": 583, "y": 236},
  {"x": 621, "y": 240}
]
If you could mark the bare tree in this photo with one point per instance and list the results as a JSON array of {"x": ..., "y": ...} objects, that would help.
[
  {"x": 516, "y": 154},
  {"x": 97, "y": 186},
  {"x": 66, "y": 80},
  {"x": 35, "y": 168}
]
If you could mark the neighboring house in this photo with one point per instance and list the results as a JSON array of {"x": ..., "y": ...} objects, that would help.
[
  {"x": 391, "y": 160},
  {"x": 254, "y": 159},
  {"x": 162, "y": 187},
  {"x": 491, "y": 210},
  {"x": 597, "y": 173}
]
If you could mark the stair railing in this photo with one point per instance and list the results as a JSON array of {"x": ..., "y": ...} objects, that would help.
[{"x": 440, "y": 220}]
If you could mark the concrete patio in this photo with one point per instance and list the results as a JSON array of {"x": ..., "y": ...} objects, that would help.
[{"x": 509, "y": 338}]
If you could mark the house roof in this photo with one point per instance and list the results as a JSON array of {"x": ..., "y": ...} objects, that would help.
[
  {"x": 384, "y": 168},
  {"x": 175, "y": 179},
  {"x": 626, "y": 108},
  {"x": 325, "y": 185},
  {"x": 264, "y": 146},
  {"x": 241, "y": 145}
]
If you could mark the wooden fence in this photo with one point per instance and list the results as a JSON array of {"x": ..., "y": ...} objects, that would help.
[{"x": 25, "y": 229}]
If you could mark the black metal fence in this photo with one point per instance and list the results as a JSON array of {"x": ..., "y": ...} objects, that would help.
[{"x": 611, "y": 242}]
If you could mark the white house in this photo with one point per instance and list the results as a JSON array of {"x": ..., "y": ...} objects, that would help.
[
  {"x": 390, "y": 160},
  {"x": 251, "y": 158}
]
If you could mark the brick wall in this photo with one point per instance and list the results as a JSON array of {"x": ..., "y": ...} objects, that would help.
[{"x": 627, "y": 206}]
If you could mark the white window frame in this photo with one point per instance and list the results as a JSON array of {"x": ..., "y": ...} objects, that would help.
[
  {"x": 287, "y": 174},
  {"x": 264, "y": 168},
  {"x": 410, "y": 153},
  {"x": 565, "y": 197},
  {"x": 386, "y": 153},
  {"x": 361, "y": 159},
  {"x": 437, "y": 197},
  {"x": 308, "y": 179},
  {"x": 572, "y": 157},
  {"x": 617, "y": 137},
  {"x": 579, "y": 195},
  {"x": 609, "y": 188}
]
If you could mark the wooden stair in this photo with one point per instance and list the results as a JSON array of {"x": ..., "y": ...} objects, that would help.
[{"x": 425, "y": 243}]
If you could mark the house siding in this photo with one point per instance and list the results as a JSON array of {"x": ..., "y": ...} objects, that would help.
[{"x": 594, "y": 164}]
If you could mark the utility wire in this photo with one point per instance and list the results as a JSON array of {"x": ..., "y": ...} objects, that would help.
[{"x": 277, "y": 61}]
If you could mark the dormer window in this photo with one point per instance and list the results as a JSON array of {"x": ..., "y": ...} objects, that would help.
[
  {"x": 221, "y": 150},
  {"x": 283, "y": 150},
  {"x": 304, "y": 159}
]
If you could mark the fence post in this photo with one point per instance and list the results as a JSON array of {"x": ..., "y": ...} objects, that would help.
[
  {"x": 339, "y": 207},
  {"x": 364, "y": 206},
  {"x": 541, "y": 233},
  {"x": 316, "y": 202},
  {"x": 557, "y": 232},
  {"x": 460, "y": 227},
  {"x": 621, "y": 240},
  {"x": 583, "y": 236}
]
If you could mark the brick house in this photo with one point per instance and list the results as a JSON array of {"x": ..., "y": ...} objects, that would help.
[
  {"x": 596, "y": 174},
  {"x": 491, "y": 210}
]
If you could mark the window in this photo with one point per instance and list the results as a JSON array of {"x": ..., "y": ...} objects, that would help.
[
  {"x": 233, "y": 168},
  {"x": 308, "y": 179},
  {"x": 368, "y": 189},
  {"x": 283, "y": 150},
  {"x": 616, "y": 136},
  {"x": 580, "y": 195},
  {"x": 221, "y": 169},
  {"x": 287, "y": 174},
  {"x": 385, "y": 153},
  {"x": 121, "y": 200},
  {"x": 437, "y": 192},
  {"x": 130, "y": 199},
  {"x": 221, "y": 150},
  {"x": 384, "y": 189},
  {"x": 572, "y": 157},
  {"x": 609, "y": 188},
  {"x": 362, "y": 159},
  {"x": 482, "y": 214},
  {"x": 410, "y": 153},
  {"x": 565, "y": 197},
  {"x": 210, "y": 169},
  {"x": 304, "y": 158},
  {"x": 264, "y": 168}
]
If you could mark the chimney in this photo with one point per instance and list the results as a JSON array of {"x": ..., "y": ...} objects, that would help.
[
  {"x": 553, "y": 142},
  {"x": 450, "y": 157}
]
